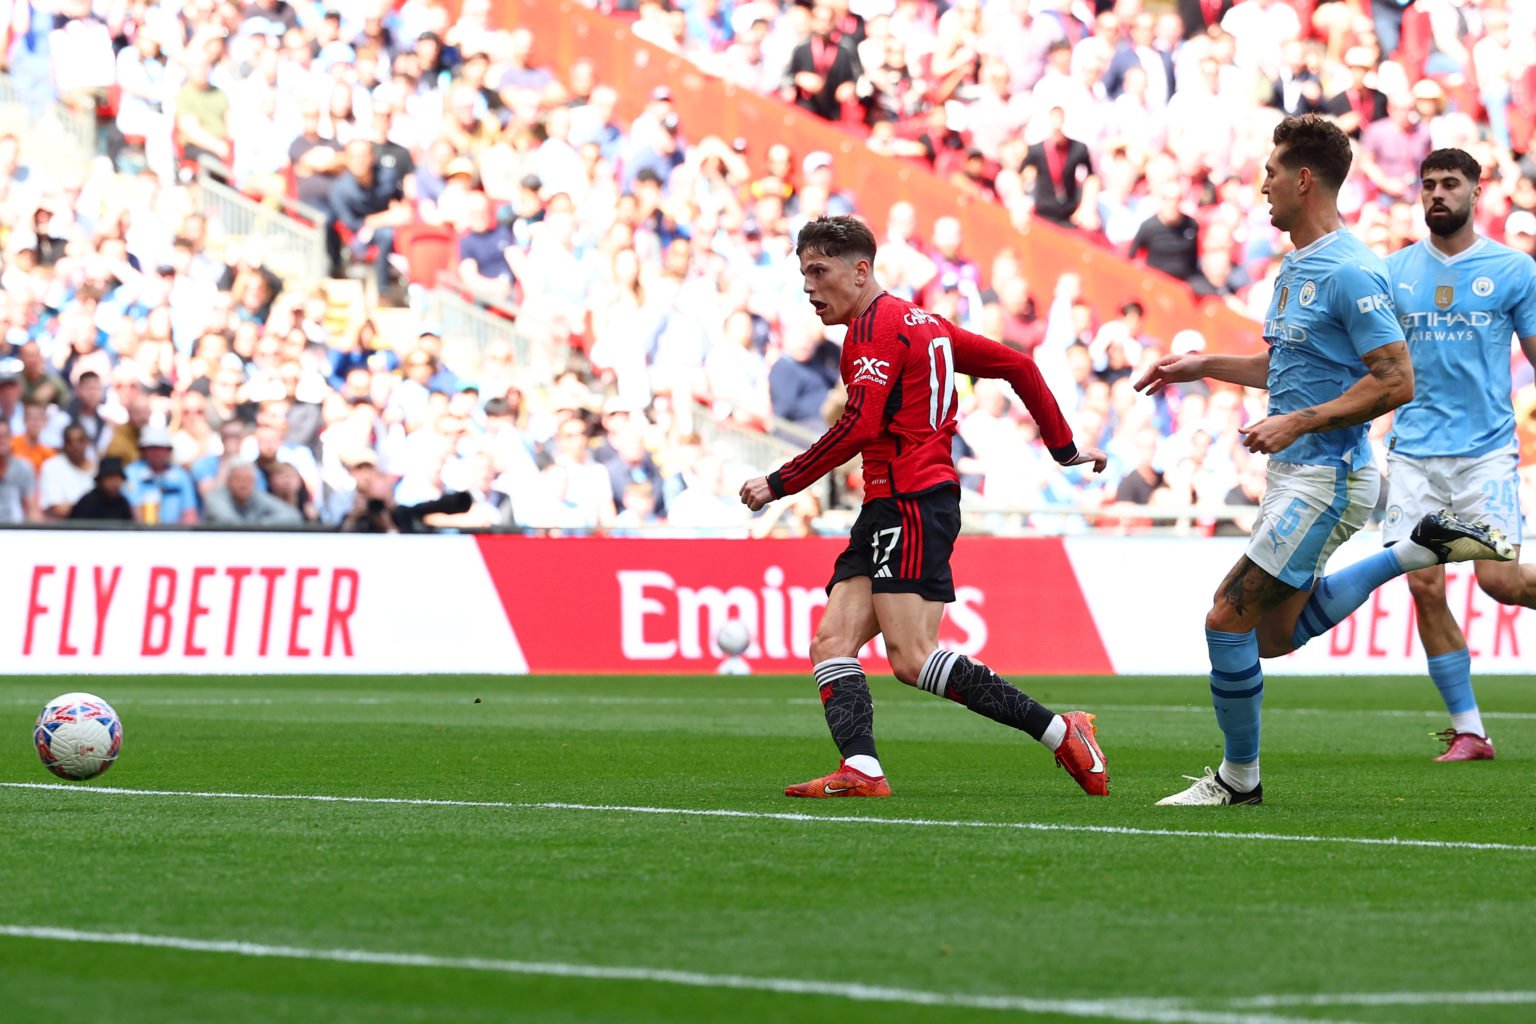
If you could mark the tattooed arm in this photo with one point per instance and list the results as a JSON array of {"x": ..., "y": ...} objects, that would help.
[{"x": 1388, "y": 385}]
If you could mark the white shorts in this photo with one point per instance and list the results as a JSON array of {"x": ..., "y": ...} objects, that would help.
[
  {"x": 1480, "y": 488},
  {"x": 1307, "y": 512}
]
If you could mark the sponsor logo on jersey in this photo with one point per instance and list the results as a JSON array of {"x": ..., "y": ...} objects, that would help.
[
  {"x": 1371, "y": 303},
  {"x": 1408, "y": 286},
  {"x": 917, "y": 317},
  {"x": 1445, "y": 321},
  {"x": 1285, "y": 294},
  {"x": 1308, "y": 293},
  {"x": 870, "y": 369},
  {"x": 1482, "y": 287},
  {"x": 1445, "y": 294},
  {"x": 1280, "y": 332}
]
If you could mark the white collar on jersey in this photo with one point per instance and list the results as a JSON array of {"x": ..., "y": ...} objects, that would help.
[
  {"x": 1446, "y": 258},
  {"x": 1318, "y": 246}
]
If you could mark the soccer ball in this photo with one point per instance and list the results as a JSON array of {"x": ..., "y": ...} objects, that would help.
[
  {"x": 733, "y": 638},
  {"x": 78, "y": 736}
]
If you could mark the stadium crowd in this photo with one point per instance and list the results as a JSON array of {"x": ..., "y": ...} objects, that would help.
[{"x": 157, "y": 369}]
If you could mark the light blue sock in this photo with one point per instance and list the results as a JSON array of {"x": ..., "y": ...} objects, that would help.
[
  {"x": 1237, "y": 691},
  {"x": 1452, "y": 674},
  {"x": 1340, "y": 593}
]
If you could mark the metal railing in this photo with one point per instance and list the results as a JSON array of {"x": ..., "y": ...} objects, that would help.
[
  {"x": 469, "y": 325},
  {"x": 291, "y": 247},
  {"x": 36, "y": 113}
]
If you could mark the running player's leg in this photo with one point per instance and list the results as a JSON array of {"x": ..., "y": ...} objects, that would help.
[
  {"x": 911, "y": 585},
  {"x": 1487, "y": 489},
  {"x": 1435, "y": 537},
  {"x": 1418, "y": 487},
  {"x": 847, "y": 624},
  {"x": 1264, "y": 592}
]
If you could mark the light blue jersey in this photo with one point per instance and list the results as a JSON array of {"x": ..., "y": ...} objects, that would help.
[
  {"x": 1459, "y": 314},
  {"x": 1331, "y": 306}
]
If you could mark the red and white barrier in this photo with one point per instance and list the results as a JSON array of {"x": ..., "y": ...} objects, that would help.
[{"x": 83, "y": 602}]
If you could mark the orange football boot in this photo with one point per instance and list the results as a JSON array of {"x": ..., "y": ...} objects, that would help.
[
  {"x": 1080, "y": 755},
  {"x": 843, "y": 782}
]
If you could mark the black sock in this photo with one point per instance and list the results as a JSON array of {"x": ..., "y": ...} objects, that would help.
[
  {"x": 985, "y": 692},
  {"x": 849, "y": 708}
]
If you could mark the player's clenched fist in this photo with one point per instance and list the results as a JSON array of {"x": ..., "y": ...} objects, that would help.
[{"x": 756, "y": 493}]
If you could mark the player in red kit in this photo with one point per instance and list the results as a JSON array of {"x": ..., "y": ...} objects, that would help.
[{"x": 899, "y": 364}]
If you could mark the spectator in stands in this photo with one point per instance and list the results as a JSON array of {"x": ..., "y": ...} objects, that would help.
[
  {"x": 1359, "y": 105},
  {"x": 1297, "y": 88},
  {"x": 159, "y": 491},
  {"x": 803, "y": 376},
  {"x": 65, "y": 478},
  {"x": 824, "y": 69},
  {"x": 316, "y": 159},
  {"x": 240, "y": 503},
  {"x": 1138, "y": 50},
  {"x": 105, "y": 501},
  {"x": 36, "y": 375},
  {"x": 1520, "y": 231},
  {"x": 1059, "y": 167},
  {"x": 1170, "y": 239},
  {"x": 18, "y": 484},
  {"x": 203, "y": 122},
  {"x": 10, "y": 394},
  {"x": 483, "y": 265},
  {"x": 1392, "y": 149},
  {"x": 84, "y": 410},
  {"x": 285, "y": 485},
  {"x": 365, "y": 210},
  {"x": 28, "y": 446}
]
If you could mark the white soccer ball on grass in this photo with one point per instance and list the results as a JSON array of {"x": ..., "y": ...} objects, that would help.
[{"x": 78, "y": 736}]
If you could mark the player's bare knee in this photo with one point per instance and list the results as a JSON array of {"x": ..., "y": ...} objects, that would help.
[
  {"x": 832, "y": 644},
  {"x": 1427, "y": 587},
  {"x": 907, "y": 663},
  {"x": 1222, "y": 618},
  {"x": 1504, "y": 589}
]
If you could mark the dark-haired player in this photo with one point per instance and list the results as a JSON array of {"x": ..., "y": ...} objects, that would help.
[
  {"x": 1460, "y": 298},
  {"x": 899, "y": 364},
  {"x": 1336, "y": 360}
]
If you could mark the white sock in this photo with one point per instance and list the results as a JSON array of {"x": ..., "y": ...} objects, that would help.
[
  {"x": 1468, "y": 721},
  {"x": 1241, "y": 777},
  {"x": 1054, "y": 733},
  {"x": 866, "y": 764},
  {"x": 1412, "y": 556}
]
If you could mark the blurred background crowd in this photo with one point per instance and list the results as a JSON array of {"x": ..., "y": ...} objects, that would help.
[{"x": 158, "y": 365}]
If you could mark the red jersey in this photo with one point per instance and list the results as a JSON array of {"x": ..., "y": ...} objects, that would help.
[{"x": 899, "y": 364}]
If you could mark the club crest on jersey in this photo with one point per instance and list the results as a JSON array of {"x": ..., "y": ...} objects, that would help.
[
  {"x": 1308, "y": 293},
  {"x": 1285, "y": 294},
  {"x": 1445, "y": 294},
  {"x": 1482, "y": 287},
  {"x": 868, "y": 368}
]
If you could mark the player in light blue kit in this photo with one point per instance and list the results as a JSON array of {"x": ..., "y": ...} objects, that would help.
[
  {"x": 1336, "y": 359},
  {"x": 1460, "y": 298}
]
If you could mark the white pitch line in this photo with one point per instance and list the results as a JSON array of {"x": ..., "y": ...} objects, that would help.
[
  {"x": 436, "y": 700},
  {"x": 1387, "y": 999},
  {"x": 1101, "y": 1009},
  {"x": 819, "y": 819}
]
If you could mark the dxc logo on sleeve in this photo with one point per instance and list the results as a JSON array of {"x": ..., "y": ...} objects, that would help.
[{"x": 870, "y": 369}]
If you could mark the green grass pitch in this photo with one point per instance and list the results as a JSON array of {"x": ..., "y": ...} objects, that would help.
[{"x": 537, "y": 863}]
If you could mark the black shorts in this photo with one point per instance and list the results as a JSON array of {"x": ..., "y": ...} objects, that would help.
[{"x": 903, "y": 545}]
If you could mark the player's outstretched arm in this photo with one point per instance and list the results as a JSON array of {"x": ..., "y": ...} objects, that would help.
[
  {"x": 1388, "y": 385},
  {"x": 980, "y": 356},
  {"x": 1248, "y": 371}
]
